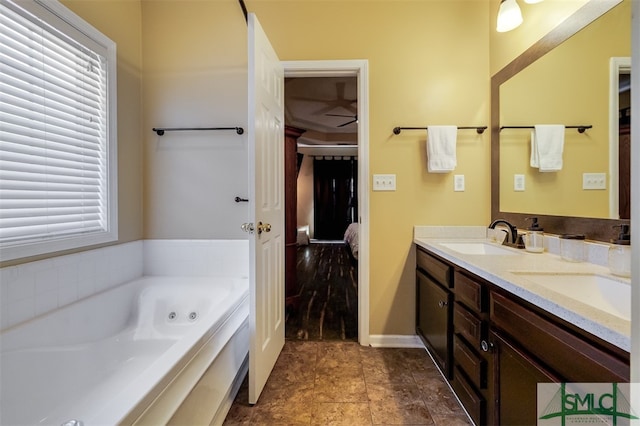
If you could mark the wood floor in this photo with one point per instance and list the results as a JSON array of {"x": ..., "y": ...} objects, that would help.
[{"x": 328, "y": 294}]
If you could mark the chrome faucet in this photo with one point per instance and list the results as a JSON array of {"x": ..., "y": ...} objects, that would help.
[{"x": 513, "y": 231}]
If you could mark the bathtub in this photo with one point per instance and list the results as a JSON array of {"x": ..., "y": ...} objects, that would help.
[{"x": 131, "y": 354}]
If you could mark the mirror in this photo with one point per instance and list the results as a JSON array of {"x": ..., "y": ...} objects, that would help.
[{"x": 563, "y": 79}]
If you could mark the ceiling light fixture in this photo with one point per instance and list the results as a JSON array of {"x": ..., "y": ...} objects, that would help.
[
  {"x": 532, "y": 1},
  {"x": 509, "y": 16}
]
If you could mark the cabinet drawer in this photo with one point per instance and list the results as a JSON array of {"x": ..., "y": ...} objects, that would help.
[
  {"x": 467, "y": 324},
  {"x": 439, "y": 270},
  {"x": 470, "y": 362},
  {"x": 578, "y": 359},
  {"x": 472, "y": 401},
  {"x": 470, "y": 292}
]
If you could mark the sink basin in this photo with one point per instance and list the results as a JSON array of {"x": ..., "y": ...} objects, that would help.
[
  {"x": 479, "y": 248},
  {"x": 599, "y": 291}
]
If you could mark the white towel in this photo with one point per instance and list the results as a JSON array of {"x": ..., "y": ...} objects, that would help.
[
  {"x": 547, "y": 145},
  {"x": 441, "y": 148}
]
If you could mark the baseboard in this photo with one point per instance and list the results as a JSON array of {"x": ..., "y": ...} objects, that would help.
[{"x": 395, "y": 341}]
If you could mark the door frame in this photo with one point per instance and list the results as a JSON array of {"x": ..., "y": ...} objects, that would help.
[{"x": 358, "y": 68}]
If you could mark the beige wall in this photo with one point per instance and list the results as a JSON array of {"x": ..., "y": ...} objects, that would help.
[
  {"x": 419, "y": 61},
  {"x": 195, "y": 75},
  {"x": 120, "y": 20},
  {"x": 428, "y": 64}
]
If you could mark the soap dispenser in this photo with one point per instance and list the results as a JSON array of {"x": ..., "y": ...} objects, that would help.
[
  {"x": 534, "y": 238},
  {"x": 620, "y": 252}
]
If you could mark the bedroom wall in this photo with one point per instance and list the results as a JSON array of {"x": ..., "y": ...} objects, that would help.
[{"x": 305, "y": 194}]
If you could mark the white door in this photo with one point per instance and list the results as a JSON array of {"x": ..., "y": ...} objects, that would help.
[{"x": 266, "y": 207}]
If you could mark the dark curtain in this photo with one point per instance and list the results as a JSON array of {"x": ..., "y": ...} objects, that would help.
[{"x": 335, "y": 196}]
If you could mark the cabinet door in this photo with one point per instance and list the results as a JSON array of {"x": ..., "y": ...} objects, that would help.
[
  {"x": 516, "y": 377},
  {"x": 434, "y": 319}
]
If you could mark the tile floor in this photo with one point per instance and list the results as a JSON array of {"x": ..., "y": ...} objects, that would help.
[{"x": 343, "y": 383}]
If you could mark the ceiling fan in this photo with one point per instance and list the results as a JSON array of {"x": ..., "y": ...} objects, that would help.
[{"x": 353, "y": 117}]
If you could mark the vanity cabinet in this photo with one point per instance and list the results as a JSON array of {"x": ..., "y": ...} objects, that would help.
[
  {"x": 526, "y": 346},
  {"x": 517, "y": 375},
  {"x": 434, "y": 308},
  {"x": 497, "y": 347}
]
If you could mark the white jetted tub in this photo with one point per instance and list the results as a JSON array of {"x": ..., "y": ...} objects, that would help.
[{"x": 128, "y": 355}]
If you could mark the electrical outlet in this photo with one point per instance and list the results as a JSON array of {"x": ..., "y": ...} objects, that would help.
[
  {"x": 458, "y": 183},
  {"x": 518, "y": 182},
  {"x": 384, "y": 182},
  {"x": 594, "y": 181}
]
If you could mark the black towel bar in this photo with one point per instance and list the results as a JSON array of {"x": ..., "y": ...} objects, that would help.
[
  {"x": 160, "y": 130},
  {"x": 581, "y": 129},
  {"x": 479, "y": 129}
]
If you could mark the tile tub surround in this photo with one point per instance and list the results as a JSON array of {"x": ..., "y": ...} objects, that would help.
[
  {"x": 35, "y": 288},
  {"x": 343, "y": 383},
  {"x": 497, "y": 269},
  {"x": 214, "y": 258}
]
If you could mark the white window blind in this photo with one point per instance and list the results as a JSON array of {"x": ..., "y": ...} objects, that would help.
[{"x": 56, "y": 153}]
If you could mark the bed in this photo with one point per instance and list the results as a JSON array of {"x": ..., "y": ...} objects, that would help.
[{"x": 352, "y": 238}]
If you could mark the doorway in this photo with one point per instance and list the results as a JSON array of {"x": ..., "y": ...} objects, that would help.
[{"x": 345, "y": 114}]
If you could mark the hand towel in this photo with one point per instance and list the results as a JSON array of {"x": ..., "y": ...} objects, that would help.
[
  {"x": 441, "y": 148},
  {"x": 547, "y": 145}
]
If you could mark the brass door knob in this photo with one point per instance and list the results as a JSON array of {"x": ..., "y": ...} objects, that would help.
[{"x": 263, "y": 227}]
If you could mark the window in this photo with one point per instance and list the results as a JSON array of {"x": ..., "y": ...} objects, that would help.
[{"x": 57, "y": 131}]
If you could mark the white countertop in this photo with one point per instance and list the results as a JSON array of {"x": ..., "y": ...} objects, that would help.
[{"x": 498, "y": 269}]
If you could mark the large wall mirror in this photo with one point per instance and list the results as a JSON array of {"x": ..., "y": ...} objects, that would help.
[{"x": 567, "y": 78}]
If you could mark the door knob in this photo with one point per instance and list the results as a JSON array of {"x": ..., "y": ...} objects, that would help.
[
  {"x": 247, "y": 227},
  {"x": 266, "y": 227}
]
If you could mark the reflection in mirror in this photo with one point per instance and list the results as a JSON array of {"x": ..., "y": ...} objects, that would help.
[
  {"x": 569, "y": 85},
  {"x": 620, "y": 137},
  {"x": 594, "y": 228}
]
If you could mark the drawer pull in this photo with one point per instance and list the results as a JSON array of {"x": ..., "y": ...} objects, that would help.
[
  {"x": 486, "y": 346},
  {"x": 442, "y": 303}
]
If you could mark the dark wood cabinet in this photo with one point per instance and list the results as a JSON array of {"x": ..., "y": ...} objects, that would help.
[
  {"x": 434, "y": 308},
  {"x": 471, "y": 373},
  {"x": 434, "y": 320},
  {"x": 516, "y": 376},
  {"x": 291, "y": 136},
  {"x": 495, "y": 347},
  {"x": 577, "y": 356}
]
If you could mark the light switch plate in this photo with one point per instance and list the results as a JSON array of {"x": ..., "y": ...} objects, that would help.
[
  {"x": 384, "y": 182},
  {"x": 594, "y": 181},
  {"x": 458, "y": 183},
  {"x": 518, "y": 182}
]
